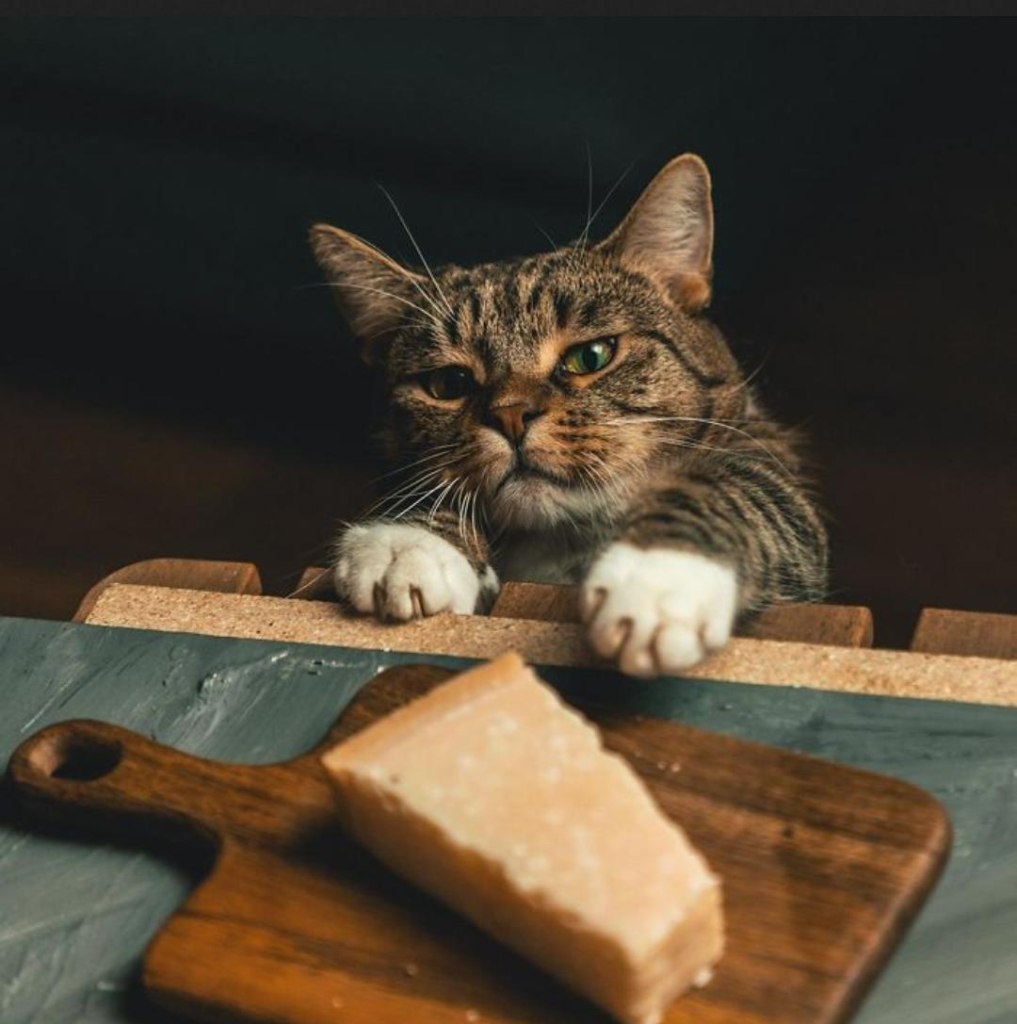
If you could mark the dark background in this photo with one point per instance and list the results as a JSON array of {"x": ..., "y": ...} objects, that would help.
[{"x": 172, "y": 383}]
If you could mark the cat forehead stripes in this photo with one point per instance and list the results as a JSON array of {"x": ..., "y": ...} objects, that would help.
[
  {"x": 530, "y": 310},
  {"x": 658, "y": 259},
  {"x": 511, "y": 311}
]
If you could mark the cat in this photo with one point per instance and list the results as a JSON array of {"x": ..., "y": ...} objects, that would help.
[{"x": 574, "y": 417}]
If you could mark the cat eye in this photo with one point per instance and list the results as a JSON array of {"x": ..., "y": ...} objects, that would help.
[
  {"x": 448, "y": 382},
  {"x": 589, "y": 357}
]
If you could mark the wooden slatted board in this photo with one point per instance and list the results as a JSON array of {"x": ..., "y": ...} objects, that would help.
[
  {"x": 839, "y": 625},
  {"x": 823, "y": 868},
  {"x": 939, "y": 631}
]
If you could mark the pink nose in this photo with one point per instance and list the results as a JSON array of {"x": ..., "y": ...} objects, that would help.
[{"x": 512, "y": 420}]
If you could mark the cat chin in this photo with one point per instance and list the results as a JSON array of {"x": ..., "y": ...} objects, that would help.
[{"x": 534, "y": 503}]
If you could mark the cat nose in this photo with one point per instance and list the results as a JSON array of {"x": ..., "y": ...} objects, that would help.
[{"x": 512, "y": 420}]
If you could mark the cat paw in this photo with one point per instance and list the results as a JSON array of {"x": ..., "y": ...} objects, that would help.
[
  {"x": 401, "y": 572},
  {"x": 657, "y": 611}
]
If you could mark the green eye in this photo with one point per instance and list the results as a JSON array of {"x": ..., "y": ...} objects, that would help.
[
  {"x": 590, "y": 356},
  {"x": 448, "y": 382}
]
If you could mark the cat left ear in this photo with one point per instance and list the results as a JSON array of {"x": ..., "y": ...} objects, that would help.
[
  {"x": 668, "y": 233},
  {"x": 374, "y": 292}
]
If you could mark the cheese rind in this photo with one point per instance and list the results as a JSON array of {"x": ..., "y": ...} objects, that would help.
[{"x": 497, "y": 798}]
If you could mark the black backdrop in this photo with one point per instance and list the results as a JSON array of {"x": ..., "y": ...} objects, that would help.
[{"x": 158, "y": 176}]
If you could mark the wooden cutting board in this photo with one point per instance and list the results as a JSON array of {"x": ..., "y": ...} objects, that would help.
[{"x": 823, "y": 868}]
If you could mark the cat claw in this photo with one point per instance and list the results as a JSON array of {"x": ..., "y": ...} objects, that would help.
[
  {"x": 657, "y": 611},
  {"x": 400, "y": 572}
]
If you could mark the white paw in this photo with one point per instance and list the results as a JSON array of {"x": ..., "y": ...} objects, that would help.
[
  {"x": 403, "y": 572},
  {"x": 657, "y": 611}
]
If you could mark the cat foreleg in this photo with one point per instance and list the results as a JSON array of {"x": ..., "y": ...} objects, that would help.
[{"x": 692, "y": 556}]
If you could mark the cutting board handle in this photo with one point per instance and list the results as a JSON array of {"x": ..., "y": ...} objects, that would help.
[{"x": 100, "y": 774}]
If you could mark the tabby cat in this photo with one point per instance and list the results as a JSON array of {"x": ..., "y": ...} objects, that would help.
[{"x": 574, "y": 417}]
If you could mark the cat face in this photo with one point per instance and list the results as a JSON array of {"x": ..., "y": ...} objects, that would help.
[{"x": 545, "y": 390}]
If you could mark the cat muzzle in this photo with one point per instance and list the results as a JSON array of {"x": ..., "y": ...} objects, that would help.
[{"x": 513, "y": 420}]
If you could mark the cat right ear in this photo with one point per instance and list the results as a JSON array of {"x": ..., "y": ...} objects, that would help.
[
  {"x": 668, "y": 234},
  {"x": 374, "y": 292}
]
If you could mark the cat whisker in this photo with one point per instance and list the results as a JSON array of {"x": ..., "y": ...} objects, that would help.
[
  {"x": 473, "y": 518},
  {"x": 391, "y": 295},
  {"x": 594, "y": 482},
  {"x": 397, "y": 506},
  {"x": 554, "y": 244},
  {"x": 579, "y": 245},
  {"x": 608, "y": 480},
  {"x": 440, "y": 490},
  {"x": 408, "y": 490},
  {"x": 458, "y": 497},
  {"x": 428, "y": 298},
  {"x": 589, "y": 196},
  {"x": 468, "y": 496},
  {"x": 427, "y": 267},
  {"x": 752, "y": 376},
  {"x": 456, "y": 506},
  {"x": 307, "y": 586},
  {"x": 469, "y": 520},
  {"x": 414, "y": 481},
  {"x": 440, "y": 486},
  {"x": 591, "y": 217},
  {"x": 438, "y": 501},
  {"x": 418, "y": 324},
  {"x": 610, "y": 192},
  {"x": 701, "y": 446},
  {"x": 484, "y": 519},
  {"x": 715, "y": 423},
  {"x": 432, "y": 318},
  {"x": 432, "y": 453},
  {"x": 628, "y": 461}
]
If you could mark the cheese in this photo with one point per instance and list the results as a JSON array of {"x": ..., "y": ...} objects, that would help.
[{"x": 497, "y": 798}]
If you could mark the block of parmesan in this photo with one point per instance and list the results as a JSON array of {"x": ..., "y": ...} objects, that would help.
[{"x": 498, "y": 799}]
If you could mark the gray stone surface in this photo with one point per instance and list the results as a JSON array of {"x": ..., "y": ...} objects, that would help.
[{"x": 75, "y": 916}]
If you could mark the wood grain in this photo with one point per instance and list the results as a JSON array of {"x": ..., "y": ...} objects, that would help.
[
  {"x": 763, "y": 662},
  {"x": 837, "y": 625},
  {"x": 186, "y": 573},
  {"x": 295, "y": 924},
  {"x": 978, "y": 634},
  {"x": 547, "y": 602}
]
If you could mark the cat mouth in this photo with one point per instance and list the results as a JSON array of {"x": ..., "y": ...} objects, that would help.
[{"x": 523, "y": 470}]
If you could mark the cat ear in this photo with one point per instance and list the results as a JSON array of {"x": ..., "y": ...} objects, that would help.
[
  {"x": 374, "y": 292},
  {"x": 668, "y": 233}
]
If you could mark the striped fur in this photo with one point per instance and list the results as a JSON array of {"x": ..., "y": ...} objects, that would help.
[{"x": 668, "y": 446}]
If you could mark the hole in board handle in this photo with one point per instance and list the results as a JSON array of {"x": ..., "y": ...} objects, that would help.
[{"x": 78, "y": 758}]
